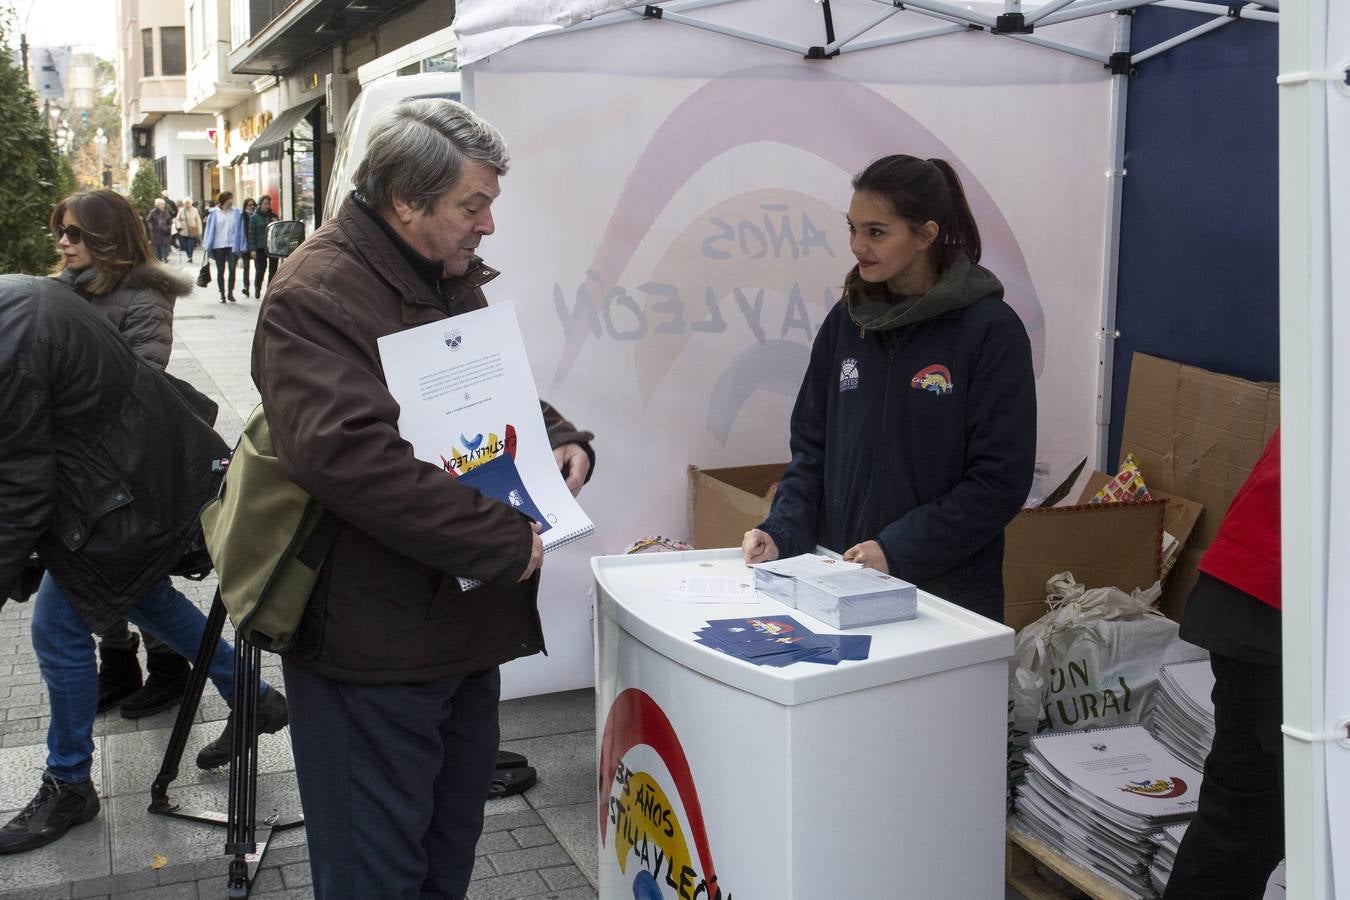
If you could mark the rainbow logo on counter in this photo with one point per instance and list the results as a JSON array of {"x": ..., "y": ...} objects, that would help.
[{"x": 648, "y": 830}]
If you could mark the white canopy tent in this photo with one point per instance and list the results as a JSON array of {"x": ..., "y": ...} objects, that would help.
[{"x": 1315, "y": 211}]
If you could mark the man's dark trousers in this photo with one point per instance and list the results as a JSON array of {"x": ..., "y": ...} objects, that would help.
[
  {"x": 393, "y": 778},
  {"x": 1236, "y": 838}
]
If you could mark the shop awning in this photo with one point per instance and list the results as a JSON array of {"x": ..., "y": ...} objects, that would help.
[
  {"x": 237, "y": 160},
  {"x": 269, "y": 144}
]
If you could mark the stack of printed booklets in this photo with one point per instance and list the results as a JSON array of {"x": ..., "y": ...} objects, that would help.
[
  {"x": 1182, "y": 717},
  {"x": 1098, "y": 797},
  {"x": 780, "y": 641},
  {"x": 1166, "y": 844},
  {"x": 840, "y": 594}
]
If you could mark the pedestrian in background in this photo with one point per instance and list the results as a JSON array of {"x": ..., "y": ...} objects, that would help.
[
  {"x": 160, "y": 226},
  {"x": 104, "y": 259},
  {"x": 111, "y": 506},
  {"x": 225, "y": 240},
  {"x": 189, "y": 227},
  {"x": 250, "y": 207},
  {"x": 257, "y": 244}
]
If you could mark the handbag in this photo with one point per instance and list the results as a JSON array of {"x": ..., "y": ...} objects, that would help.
[
  {"x": 204, "y": 276},
  {"x": 268, "y": 539}
]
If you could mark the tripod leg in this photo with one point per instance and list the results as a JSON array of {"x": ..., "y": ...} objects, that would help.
[
  {"x": 187, "y": 711},
  {"x": 241, "y": 830}
]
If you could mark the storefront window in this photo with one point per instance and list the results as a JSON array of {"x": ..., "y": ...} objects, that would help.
[{"x": 303, "y": 173}]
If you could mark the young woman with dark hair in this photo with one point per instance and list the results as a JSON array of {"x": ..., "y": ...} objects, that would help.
[
  {"x": 225, "y": 240},
  {"x": 106, "y": 258},
  {"x": 913, "y": 437}
]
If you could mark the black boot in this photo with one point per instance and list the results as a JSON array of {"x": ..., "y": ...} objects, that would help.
[
  {"x": 272, "y": 717},
  {"x": 58, "y": 806},
  {"x": 164, "y": 685},
  {"x": 119, "y": 673}
]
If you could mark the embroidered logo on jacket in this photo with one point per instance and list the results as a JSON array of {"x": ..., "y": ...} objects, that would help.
[
  {"x": 848, "y": 375},
  {"x": 933, "y": 378}
]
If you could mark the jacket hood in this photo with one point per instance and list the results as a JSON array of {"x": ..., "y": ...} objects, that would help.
[
  {"x": 963, "y": 283},
  {"x": 79, "y": 279},
  {"x": 156, "y": 277},
  {"x": 147, "y": 276}
]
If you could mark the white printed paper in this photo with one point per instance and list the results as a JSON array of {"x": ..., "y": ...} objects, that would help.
[{"x": 468, "y": 406}]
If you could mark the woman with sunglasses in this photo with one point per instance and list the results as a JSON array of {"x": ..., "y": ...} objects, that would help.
[
  {"x": 250, "y": 207},
  {"x": 106, "y": 258},
  {"x": 225, "y": 239}
]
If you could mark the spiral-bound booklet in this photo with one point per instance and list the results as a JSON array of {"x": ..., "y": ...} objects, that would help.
[{"x": 468, "y": 405}]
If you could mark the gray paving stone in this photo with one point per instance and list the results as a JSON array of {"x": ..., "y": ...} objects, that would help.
[
  {"x": 133, "y": 759},
  {"x": 566, "y": 766},
  {"x": 514, "y": 803},
  {"x": 297, "y": 875},
  {"x": 218, "y": 867},
  {"x": 533, "y": 836},
  {"x": 564, "y": 877},
  {"x": 21, "y": 771},
  {"x": 521, "y": 819},
  {"x": 548, "y": 714},
  {"x": 482, "y": 868},
  {"x": 80, "y": 854},
  {"x": 498, "y": 842},
  {"x": 576, "y": 893},
  {"x": 45, "y": 892},
  {"x": 114, "y": 884},
  {"x": 506, "y": 887},
  {"x": 533, "y": 858},
  {"x": 575, "y": 828},
  {"x": 138, "y": 835},
  {"x": 185, "y": 891}
]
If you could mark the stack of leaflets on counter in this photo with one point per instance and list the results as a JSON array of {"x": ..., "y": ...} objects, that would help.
[
  {"x": 840, "y": 594},
  {"x": 1182, "y": 717},
  {"x": 780, "y": 641},
  {"x": 1166, "y": 844},
  {"x": 1098, "y": 796}
]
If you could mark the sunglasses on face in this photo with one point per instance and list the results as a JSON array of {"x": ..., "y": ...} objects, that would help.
[{"x": 71, "y": 233}]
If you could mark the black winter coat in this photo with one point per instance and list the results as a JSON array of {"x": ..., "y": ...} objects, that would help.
[
  {"x": 104, "y": 466},
  {"x": 922, "y": 439}
]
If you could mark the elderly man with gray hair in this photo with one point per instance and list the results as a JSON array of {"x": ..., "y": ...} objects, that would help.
[{"x": 393, "y": 678}]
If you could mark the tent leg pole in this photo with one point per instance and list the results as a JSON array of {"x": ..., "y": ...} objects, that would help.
[{"x": 1115, "y": 178}]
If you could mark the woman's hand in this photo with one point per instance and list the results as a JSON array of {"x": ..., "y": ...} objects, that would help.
[
  {"x": 868, "y": 553},
  {"x": 758, "y": 547}
]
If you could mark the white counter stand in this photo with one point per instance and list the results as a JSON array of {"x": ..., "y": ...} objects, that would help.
[{"x": 881, "y": 778}]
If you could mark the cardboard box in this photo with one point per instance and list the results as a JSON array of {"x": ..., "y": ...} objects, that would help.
[
  {"x": 1179, "y": 518},
  {"x": 726, "y": 503},
  {"x": 1197, "y": 435},
  {"x": 1103, "y": 545}
]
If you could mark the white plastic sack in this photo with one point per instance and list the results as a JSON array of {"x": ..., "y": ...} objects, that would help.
[{"x": 1092, "y": 661}]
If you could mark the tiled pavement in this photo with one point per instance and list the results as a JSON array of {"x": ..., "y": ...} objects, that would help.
[{"x": 538, "y": 845}]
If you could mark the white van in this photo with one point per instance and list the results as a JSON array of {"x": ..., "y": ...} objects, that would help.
[{"x": 374, "y": 99}]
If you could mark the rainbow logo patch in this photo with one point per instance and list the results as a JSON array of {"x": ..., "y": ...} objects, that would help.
[{"x": 935, "y": 378}]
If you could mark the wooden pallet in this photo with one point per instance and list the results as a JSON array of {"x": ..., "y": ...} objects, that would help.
[{"x": 1025, "y": 853}]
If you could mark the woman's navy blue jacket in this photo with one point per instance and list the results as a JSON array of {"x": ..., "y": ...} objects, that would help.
[{"x": 922, "y": 438}]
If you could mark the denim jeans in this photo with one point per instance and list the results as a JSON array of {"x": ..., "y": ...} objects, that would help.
[{"x": 65, "y": 652}]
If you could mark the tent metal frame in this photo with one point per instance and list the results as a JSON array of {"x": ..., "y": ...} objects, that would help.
[{"x": 1013, "y": 24}]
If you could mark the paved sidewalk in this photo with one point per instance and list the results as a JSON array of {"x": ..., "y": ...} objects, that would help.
[{"x": 537, "y": 845}]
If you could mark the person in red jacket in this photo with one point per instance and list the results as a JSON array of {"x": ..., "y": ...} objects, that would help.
[{"x": 1237, "y": 836}]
